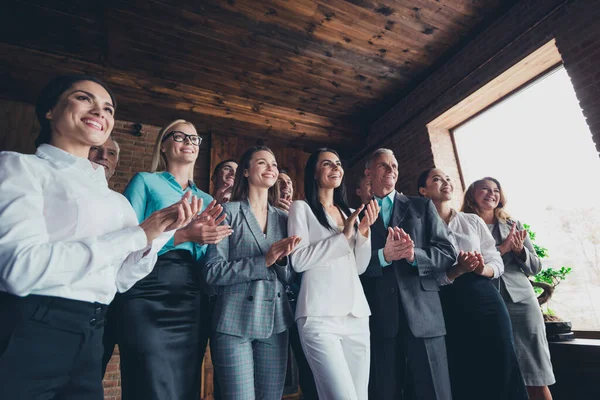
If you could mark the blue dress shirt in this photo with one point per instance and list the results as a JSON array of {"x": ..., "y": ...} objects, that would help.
[
  {"x": 387, "y": 209},
  {"x": 152, "y": 191}
]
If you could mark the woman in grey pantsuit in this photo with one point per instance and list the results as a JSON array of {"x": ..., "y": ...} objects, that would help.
[
  {"x": 486, "y": 198},
  {"x": 250, "y": 268}
]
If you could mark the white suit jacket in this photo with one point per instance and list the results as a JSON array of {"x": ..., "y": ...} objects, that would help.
[{"x": 330, "y": 265}]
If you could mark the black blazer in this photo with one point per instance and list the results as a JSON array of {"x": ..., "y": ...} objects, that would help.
[{"x": 417, "y": 286}]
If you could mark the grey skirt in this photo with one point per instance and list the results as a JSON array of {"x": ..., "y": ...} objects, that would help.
[{"x": 531, "y": 344}]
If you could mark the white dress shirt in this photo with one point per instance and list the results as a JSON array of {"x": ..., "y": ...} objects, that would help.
[
  {"x": 468, "y": 232},
  {"x": 64, "y": 233},
  {"x": 330, "y": 265}
]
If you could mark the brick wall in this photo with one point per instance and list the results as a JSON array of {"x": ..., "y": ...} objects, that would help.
[{"x": 523, "y": 29}]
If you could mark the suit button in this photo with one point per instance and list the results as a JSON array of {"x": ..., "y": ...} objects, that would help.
[
  {"x": 93, "y": 321},
  {"x": 278, "y": 294},
  {"x": 250, "y": 298},
  {"x": 393, "y": 290},
  {"x": 98, "y": 310}
]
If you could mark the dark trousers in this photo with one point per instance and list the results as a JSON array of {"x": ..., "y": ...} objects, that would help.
[
  {"x": 407, "y": 367},
  {"x": 158, "y": 323},
  {"x": 50, "y": 348},
  {"x": 206, "y": 314},
  {"x": 479, "y": 340}
]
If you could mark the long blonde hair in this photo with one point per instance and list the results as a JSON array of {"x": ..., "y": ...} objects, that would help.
[
  {"x": 159, "y": 159},
  {"x": 470, "y": 206}
]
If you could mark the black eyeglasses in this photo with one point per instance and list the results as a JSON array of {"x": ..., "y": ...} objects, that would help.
[{"x": 181, "y": 137}]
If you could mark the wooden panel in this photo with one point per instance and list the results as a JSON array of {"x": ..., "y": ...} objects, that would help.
[
  {"x": 316, "y": 72},
  {"x": 19, "y": 127}
]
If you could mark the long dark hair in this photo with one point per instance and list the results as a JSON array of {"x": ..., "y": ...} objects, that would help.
[
  {"x": 240, "y": 185},
  {"x": 311, "y": 190},
  {"x": 49, "y": 96},
  {"x": 422, "y": 179}
]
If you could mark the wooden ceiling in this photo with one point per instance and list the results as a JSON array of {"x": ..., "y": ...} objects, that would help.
[{"x": 305, "y": 71}]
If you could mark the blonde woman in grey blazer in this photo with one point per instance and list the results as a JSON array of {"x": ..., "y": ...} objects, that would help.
[
  {"x": 486, "y": 198},
  {"x": 250, "y": 269}
]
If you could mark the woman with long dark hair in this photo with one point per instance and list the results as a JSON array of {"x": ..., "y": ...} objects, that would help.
[
  {"x": 332, "y": 312},
  {"x": 481, "y": 355},
  {"x": 159, "y": 317},
  {"x": 250, "y": 269},
  {"x": 67, "y": 244},
  {"x": 486, "y": 198}
]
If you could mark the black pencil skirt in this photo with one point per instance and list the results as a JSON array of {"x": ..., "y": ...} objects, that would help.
[
  {"x": 479, "y": 342},
  {"x": 159, "y": 321}
]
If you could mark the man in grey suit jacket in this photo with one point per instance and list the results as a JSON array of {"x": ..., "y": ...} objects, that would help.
[{"x": 410, "y": 252}]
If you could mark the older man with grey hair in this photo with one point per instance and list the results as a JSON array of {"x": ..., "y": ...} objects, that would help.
[
  {"x": 410, "y": 251},
  {"x": 106, "y": 155}
]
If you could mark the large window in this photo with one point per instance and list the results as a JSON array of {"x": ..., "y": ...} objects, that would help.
[{"x": 537, "y": 144}]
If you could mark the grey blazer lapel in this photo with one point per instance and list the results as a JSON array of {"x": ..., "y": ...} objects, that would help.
[
  {"x": 504, "y": 230},
  {"x": 401, "y": 205},
  {"x": 262, "y": 242}
]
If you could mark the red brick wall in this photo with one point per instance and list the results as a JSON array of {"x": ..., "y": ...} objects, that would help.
[
  {"x": 523, "y": 29},
  {"x": 112, "y": 378}
]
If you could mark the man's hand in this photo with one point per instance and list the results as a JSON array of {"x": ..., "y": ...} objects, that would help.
[{"x": 398, "y": 245}]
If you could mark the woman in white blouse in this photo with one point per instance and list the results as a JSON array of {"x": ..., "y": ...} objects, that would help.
[
  {"x": 67, "y": 244},
  {"x": 332, "y": 312},
  {"x": 481, "y": 355}
]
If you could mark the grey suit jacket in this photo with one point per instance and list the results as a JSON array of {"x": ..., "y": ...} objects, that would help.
[
  {"x": 416, "y": 285},
  {"x": 517, "y": 270},
  {"x": 251, "y": 299}
]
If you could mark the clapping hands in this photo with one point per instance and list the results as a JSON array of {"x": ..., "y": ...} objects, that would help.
[
  {"x": 398, "y": 246},
  {"x": 514, "y": 242},
  {"x": 369, "y": 218},
  {"x": 281, "y": 249},
  {"x": 205, "y": 227},
  {"x": 172, "y": 217}
]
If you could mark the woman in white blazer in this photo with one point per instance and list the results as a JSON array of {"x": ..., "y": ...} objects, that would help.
[{"x": 332, "y": 312}]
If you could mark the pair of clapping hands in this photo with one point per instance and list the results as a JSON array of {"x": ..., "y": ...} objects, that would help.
[
  {"x": 398, "y": 246},
  {"x": 515, "y": 242},
  {"x": 191, "y": 224}
]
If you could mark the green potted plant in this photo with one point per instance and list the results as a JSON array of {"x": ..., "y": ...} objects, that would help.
[{"x": 544, "y": 283}]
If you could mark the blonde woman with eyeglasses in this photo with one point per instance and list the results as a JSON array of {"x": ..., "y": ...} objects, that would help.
[{"x": 159, "y": 316}]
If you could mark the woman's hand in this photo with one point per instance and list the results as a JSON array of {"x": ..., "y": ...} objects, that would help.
[
  {"x": 349, "y": 223},
  {"x": 369, "y": 217},
  {"x": 518, "y": 242},
  {"x": 467, "y": 261},
  {"x": 507, "y": 245},
  {"x": 205, "y": 228},
  {"x": 172, "y": 217},
  {"x": 281, "y": 249},
  {"x": 483, "y": 269}
]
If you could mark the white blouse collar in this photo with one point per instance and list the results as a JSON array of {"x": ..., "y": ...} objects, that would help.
[{"x": 62, "y": 159}]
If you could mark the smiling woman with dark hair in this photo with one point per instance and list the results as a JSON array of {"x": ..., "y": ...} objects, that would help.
[
  {"x": 67, "y": 244},
  {"x": 479, "y": 336},
  {"x": 332, "y": 312}
]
